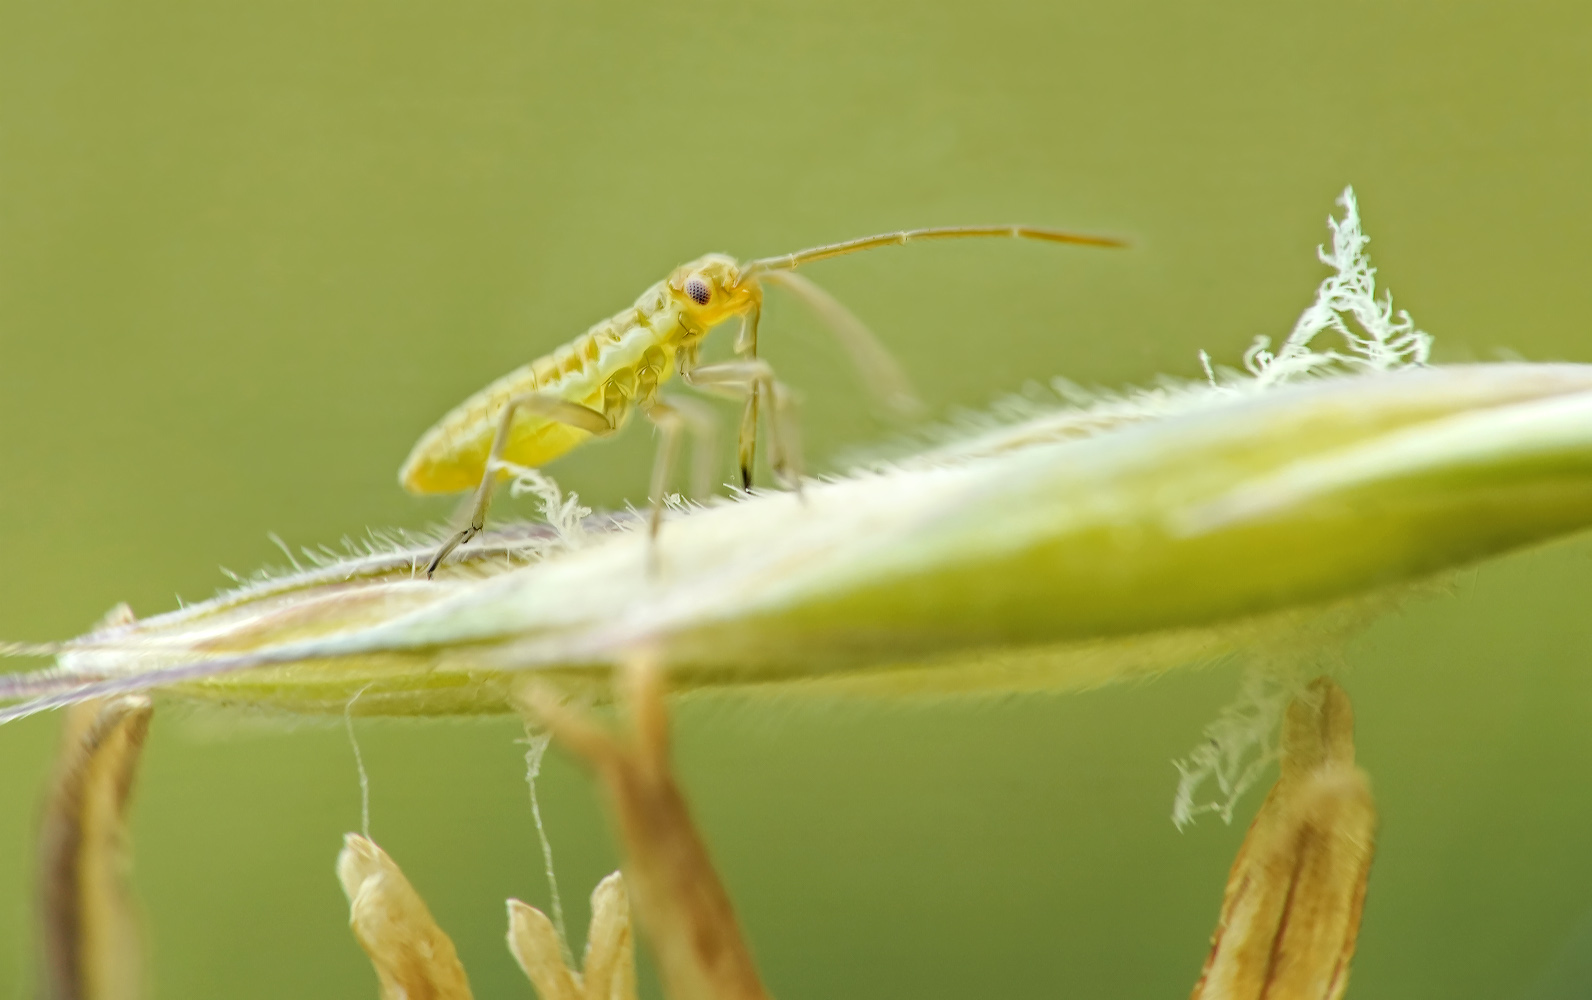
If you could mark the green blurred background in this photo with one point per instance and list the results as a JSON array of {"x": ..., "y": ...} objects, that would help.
[{"x": 248, "y": 252}]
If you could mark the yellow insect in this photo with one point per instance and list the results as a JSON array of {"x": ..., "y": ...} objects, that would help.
[{"x": 589, "y": 387}]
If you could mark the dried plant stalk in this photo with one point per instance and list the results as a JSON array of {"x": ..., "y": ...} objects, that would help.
[
  {"x": 679, "y": 899},
  {"x": 414, "y": 959},
  {"x": 1291, "y": 913},
  {"x": 537, "y": 949},
  {"x": 90, "y": 948},
  {"x": 608, "y": 971}
]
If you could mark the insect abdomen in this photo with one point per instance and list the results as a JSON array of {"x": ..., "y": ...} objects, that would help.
[{"x": 451, "y": 456}]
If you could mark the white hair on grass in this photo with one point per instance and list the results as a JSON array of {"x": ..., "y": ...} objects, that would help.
[
  {"x": 1375, "y": 339},
  {"x": 359, "y": 762},
  {"x": 1241, "y": 744},
  {"x": 384, "y": 550},
  {"x": 1378, "y": 339},
  {"x": 1238, "y": 746},
  {"x": 565, "y": 514},
  {"x": 536, "y": 744}
]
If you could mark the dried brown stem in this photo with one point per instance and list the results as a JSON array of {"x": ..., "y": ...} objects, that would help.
[
  {"x": 414, "y": 959},
  {"x": 680, "y": 901},
  {"x": 608, "y": 971},
  {"x": 1291, "y": 913},
  {"x": 89, "y": 946}
]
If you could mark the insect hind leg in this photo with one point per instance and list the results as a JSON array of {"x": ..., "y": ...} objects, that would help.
[
  {"x": 674, "y": 418},
  {"x": 543, "y": 405}
]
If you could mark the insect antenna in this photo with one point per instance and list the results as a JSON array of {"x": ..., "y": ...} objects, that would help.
[
  {"x": 879, "y": 369},
  {"x": 791, "y": 261}
]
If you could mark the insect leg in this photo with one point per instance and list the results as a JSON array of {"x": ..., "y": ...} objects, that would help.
[
  {"x": 704, "y": 426},
  {"x": 746, "y": 438},
  {"x": 749, "y": 378},
  {"x": 672, "y": 417},
  {"x": 880, "y": 371},
  {"x": 543, "y": 405}
]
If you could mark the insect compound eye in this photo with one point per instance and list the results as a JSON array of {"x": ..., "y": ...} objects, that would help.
[{"x": 698, "y": 289}]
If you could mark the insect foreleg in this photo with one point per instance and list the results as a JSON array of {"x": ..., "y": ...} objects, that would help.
[
  {"x": 746, "y": 439},
  {"x": 748, "y": 379},
  {"x": 746, "y": 337},
  {"x": 543, "y": 405}
]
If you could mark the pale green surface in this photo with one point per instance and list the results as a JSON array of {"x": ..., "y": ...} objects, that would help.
[{"x": 249, "y": 255}]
